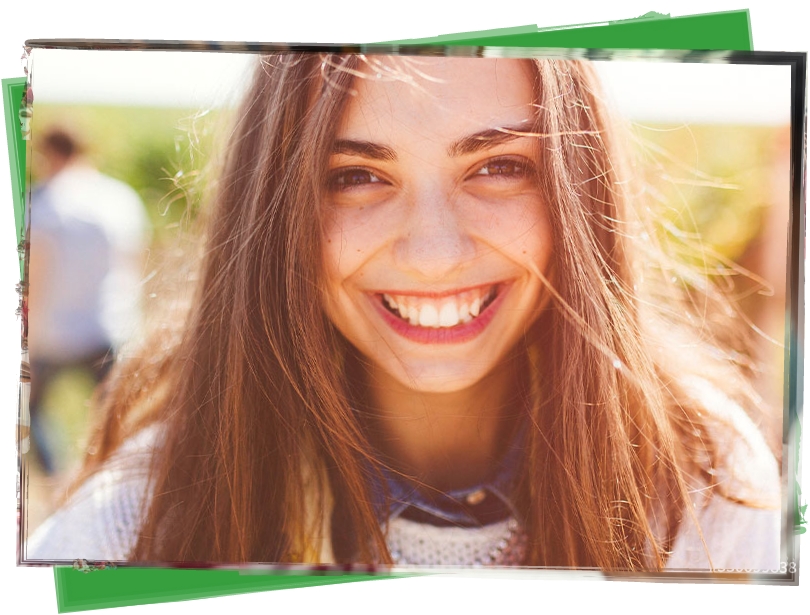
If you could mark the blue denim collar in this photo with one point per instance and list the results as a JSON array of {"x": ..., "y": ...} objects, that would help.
[{"x": 460, "y": 507}]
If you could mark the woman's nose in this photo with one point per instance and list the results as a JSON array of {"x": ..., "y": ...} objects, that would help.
[{"x": 434, "y": 243}]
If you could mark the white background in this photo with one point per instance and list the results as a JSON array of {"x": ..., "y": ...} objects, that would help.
[
  {"x": 778, "y": 25},
  {"x": 670, "y": 92}
]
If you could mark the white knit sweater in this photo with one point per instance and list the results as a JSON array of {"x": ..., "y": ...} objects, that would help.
[{"x": 101, "y": 521}]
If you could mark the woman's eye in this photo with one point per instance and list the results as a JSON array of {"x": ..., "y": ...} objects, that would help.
[
  {"x": 505, "y": 168},
  {"x": 346, "y": 179}
]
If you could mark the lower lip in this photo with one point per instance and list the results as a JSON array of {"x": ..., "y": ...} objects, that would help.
[{"x": 442, "y": 335}]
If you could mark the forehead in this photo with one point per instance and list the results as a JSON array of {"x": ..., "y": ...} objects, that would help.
[{"x": 438, "y": 95}]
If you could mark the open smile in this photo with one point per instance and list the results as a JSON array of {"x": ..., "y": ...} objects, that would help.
[{"x": 451, "y": 317}]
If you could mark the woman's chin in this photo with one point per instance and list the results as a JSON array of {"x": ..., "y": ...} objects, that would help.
[{"x": 445, "y": 378}]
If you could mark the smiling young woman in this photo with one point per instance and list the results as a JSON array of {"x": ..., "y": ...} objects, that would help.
[{"x": 431, "y": 327}]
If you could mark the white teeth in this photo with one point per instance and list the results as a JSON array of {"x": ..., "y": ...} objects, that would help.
[
  {"x": 439, "y": 313},
  {"x": 428, "y": 316},
  {"x": 448, "y": 316}
]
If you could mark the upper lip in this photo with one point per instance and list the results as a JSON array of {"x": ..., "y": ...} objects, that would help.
[{"x": 436, "y": 294}]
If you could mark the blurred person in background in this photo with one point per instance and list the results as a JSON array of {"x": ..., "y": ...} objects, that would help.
[{"x": 88, "y": 235}]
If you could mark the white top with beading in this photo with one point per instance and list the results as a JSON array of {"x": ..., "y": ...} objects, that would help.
[{"x": 101, "y": 521}]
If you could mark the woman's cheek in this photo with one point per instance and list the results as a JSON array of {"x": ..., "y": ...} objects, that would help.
[
  {"x": 519, "y": 228},
  {"x": 350, "y": 236}
]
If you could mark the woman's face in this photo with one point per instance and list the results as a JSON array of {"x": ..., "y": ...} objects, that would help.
[{"x": 436, "y": 225}]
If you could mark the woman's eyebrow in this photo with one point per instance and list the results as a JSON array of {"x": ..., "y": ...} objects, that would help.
[
  {"x": 366, "y": 149},
  {"x": 466, "y": 145},
  {"x": 486, "y": 139}
]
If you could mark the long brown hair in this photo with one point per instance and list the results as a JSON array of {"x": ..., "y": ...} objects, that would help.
[{"x": 259, "y": 440}]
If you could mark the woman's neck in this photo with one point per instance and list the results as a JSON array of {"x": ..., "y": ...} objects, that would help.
[{"x": 445, "y": 440}]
